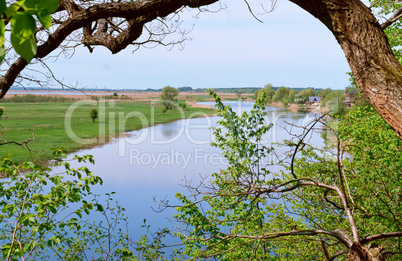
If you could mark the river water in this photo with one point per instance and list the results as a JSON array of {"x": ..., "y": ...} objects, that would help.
[{"x": 152, "y": 163}]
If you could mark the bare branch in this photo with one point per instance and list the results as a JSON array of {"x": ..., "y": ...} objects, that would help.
[
  {"x": 251, "y": 12},
  {"x": 396, "y": 16}
]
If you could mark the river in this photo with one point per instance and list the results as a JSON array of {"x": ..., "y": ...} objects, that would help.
[{"x": 152, "y": 163}]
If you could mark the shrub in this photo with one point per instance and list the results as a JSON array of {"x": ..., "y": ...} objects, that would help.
[
  {"x": 42, "y": 214},
  {"x": 168, "y": 97},
  {"x": 183, "y": 105},
  {"x": 93, "y": 114},
  {"x": 300, "y": 98}
]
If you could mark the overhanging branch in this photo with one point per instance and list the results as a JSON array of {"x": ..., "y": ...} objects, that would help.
[
  {"x": 396, "y": 16},
  {"x": 137, "y": 13},
  {"x": 380, "y": 236}
]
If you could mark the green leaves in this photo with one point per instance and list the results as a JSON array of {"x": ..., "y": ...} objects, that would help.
[
  {"x": 43, "y": 16},
  {"x": 169, "y": 98},
  {"x": 23, "y": 24},
  {"x": 247, "y": 201},
  {"x": 50, "y": 5},
  {"x": 27, "y": 219},
  {"x": 242, "y": 144},
  {"x": 12, "y": 9},
  {"x": 3, "y": 6},
  {"x": 42, "y": 9},
  {"x": 36, "y": 219},
  {"x": 23, "y": 27}
]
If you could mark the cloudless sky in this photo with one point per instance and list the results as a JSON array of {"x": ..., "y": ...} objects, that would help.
[{"x": 228, "y": 49}]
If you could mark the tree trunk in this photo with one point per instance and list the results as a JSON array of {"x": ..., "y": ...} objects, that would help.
[
  {"x": 360, "y": 253},
  {"x": 377, "y": 72}
]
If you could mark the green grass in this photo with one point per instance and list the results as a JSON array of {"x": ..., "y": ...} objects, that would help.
[{"x": 47, "y": 123}]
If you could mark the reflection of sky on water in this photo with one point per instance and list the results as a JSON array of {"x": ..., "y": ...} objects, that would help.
[{"x": 153, "y": 162}]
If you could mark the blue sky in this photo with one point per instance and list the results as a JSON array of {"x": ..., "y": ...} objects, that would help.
[{"x": 228, "y": 49}]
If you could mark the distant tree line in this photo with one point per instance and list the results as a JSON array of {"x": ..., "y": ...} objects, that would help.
[
  {"x": 328, "y": 97},
  {"x": 203, "y": 90}
]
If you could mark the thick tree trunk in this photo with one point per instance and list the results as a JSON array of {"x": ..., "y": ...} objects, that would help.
[
  {"x": 360, "y": 253},
  {"x": 376, "y": 70}
]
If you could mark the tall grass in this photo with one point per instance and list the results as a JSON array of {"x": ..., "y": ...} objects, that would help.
[
  {"x": 46, "y": 122},
  {"x": 29, "y": 98}
]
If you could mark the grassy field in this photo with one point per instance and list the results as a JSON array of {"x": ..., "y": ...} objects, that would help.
[{"x": 46, "y": 122}]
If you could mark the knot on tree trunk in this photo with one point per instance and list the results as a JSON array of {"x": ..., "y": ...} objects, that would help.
[{"x": 358, "y": 252}]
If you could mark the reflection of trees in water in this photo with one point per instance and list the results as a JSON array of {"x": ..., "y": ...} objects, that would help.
[
  {"x": 282, "y": 116},
  {"x": 171, "y": 129}
]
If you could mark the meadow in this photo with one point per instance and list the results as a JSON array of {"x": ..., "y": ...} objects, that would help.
[{"x": 47, "y": 124}]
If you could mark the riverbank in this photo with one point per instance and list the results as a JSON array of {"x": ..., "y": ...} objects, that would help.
[
  {"x": 316, "y": 108},
  {"x": 67, "y": 124},
  {"x": 189, "y": 97}
]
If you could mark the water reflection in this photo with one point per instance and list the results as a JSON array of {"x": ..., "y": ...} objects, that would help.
[{"x": 170, "y": 129}]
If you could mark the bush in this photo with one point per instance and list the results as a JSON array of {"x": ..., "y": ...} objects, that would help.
[
  {"x": 300, "y": 98},
  {"x": 93, "y": 114},
  {"x": 168, "y": 97},
  {"x": 334, "y": 102},
  {"x": 183, "y": 105},
  {"x": 41, "y": 214}
]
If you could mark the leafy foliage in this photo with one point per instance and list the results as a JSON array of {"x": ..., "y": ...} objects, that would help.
[
  {"x": 385, "y": 8},
  {"x": 325, "y": 202},
  {"x": 168, "y": 98},
  {"x": 301, "y": 98},
  {"x": 23, "y": 24},
  {"x": 42, "y": 214},
  {"x": 334, "y": 101},
  {"x": 374, "y": 173},
  {"x": 229, "y": 208},
  {"x": 93, "y": 114}
]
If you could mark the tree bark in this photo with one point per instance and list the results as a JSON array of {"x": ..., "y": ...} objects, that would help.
[
  {"x": 360, "y": 253},
  {"x": 377, "y": 72}
]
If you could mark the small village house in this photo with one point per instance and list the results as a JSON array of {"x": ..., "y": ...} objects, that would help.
[{"x": 314, "y": 99}]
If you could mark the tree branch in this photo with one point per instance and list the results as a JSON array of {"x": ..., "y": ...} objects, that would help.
[
  {"x": 313, "y": 232},
  {"x": 396, "y": 16},
  {"x": 380, "y": 236},
  {"x": 342, "y": 252},
  {"x": 137, "y": 13}
]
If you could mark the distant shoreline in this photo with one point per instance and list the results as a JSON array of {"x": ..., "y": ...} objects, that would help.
[{"x": 192, "y": 98}]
